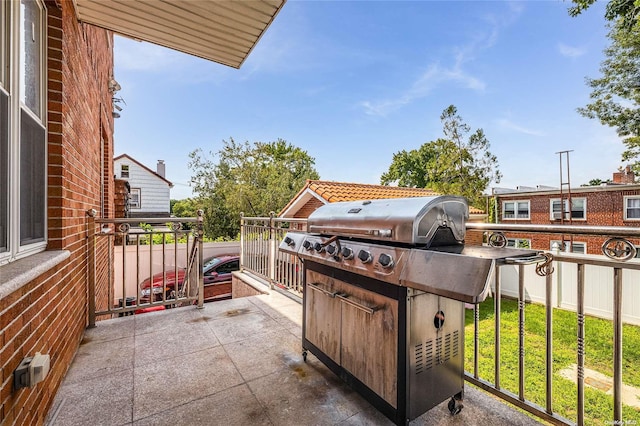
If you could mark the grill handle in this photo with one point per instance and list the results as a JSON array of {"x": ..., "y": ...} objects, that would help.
[
  {"x": 322, "y": 290},
  {"x": 528, "y": 260},
  {"x": 368, "y": 309}
]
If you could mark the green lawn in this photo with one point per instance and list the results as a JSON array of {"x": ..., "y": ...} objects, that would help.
[{"x": 598, "y": 356}]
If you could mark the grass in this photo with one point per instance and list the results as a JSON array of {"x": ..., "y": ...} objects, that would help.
[{"x": 598, "y": 356}]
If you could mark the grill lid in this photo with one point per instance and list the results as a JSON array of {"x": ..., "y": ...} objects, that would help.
[{"x": 428, "y": 221}]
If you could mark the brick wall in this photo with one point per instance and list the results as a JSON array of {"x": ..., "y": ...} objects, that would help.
[
  {"x": 49, "y": 314},
  {"x": 604, "y": 207}
]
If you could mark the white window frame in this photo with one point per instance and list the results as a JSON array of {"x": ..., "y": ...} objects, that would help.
[
  {"x": 570, "y": 213},
  {"x": 10, "y": 84},
  {"x": 519, "y": 243},
  {"x": 122, "y": 171},
  {"x": 569, "y": 246},
  {"x": 137, "y": 191},
  {"x": 516, "y": 204},
  {"x": 626, "y": 207}
]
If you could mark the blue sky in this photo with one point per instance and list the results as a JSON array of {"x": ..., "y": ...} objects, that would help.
[{"x": 354, "y": 82}]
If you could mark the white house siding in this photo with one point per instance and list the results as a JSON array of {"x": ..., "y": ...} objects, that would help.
[{"x": 154, "y": 191}]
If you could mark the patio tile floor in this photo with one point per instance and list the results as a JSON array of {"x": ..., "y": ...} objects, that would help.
[{"x": 235, "y": 362}]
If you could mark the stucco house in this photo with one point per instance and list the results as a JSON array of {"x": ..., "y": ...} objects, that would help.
[
  {"x": 149, "y": 191},
  {"x": 56, "y": 159}
]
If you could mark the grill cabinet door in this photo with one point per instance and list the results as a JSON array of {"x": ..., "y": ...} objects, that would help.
[
  {"x": 322, "y": 327},
  {"x": 370, "y": 340}
]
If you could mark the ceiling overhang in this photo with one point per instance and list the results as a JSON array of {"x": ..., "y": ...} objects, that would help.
[{"x": 223, "y": 31}]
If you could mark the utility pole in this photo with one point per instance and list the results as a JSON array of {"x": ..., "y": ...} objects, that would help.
[{"x": 566, "y": 205}]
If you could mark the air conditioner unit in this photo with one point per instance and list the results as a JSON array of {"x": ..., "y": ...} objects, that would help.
[{"x": 557, "y": 215}]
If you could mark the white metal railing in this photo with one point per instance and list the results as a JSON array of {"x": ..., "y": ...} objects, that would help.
[
  {"x": 260, "y": 238},
  {"x": 259, "y": 254},
  {"x": 166, "y": 272}
]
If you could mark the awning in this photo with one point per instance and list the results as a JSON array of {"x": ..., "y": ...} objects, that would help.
[{"x": 223, "y": 31}]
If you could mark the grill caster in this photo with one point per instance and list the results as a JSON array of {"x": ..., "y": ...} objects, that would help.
[
  {"x": 304, "y": 356},
  {"x": 455, "y": 404}
]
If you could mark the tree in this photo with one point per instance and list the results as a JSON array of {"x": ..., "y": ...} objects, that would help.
[
  {"x": 625, "y": 11},
  {"x": 460, "y": 163},
  {"x": 251, "y": 178},
  {"x": 615, "y": 96}
]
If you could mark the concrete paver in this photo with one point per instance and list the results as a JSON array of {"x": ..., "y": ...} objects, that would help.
[{"x": 235, "y": 362}]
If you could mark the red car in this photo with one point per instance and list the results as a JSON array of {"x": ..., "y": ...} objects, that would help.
[{"x": 217, "y": 280}]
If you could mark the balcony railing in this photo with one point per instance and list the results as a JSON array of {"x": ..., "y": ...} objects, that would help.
[
  {"x": 581, "y": 286},
  {"x": 141, "y": 264}
]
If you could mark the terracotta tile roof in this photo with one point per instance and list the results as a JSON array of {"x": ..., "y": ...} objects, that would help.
[{"x": 344, "y": 191}]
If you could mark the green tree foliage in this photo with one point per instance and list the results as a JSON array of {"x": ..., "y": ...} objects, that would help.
[
  {"x": 625, "y": 11},
  {"x": 458, "y": 164},
  {"x": 251, "y": 178},
  {"x": 615, "y": 96},
  {"x": 185, "y": 208}
]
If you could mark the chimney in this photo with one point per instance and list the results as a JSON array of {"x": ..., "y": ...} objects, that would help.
[
  {"x": 625, "y": 176},
  {"x": 161, "y": 169}
]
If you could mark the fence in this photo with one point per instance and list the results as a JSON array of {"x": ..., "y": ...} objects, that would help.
[
  {"x": 583, "y": 285},
  {"x": 166, "y": 271}
]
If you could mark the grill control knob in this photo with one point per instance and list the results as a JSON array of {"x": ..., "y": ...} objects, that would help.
[
  {"x": 385, "y": 261},
  {"x": 307, "y": 245},
  {"x": 364, "y": 256},
  {"x": 347, "y": 253},
  {"x": 289, "y": 241},
  {"x": 331, "y": 249},
  {"x": 318, "y": 247}
]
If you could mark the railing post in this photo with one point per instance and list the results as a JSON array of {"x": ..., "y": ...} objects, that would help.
[
  {"x": 549, "y": 342},
  {"x": 91, "y": 248},
  {"x": 242, "y": 231},
  {"x": 497, "y": 308},
  {"x": 617, "y": 346},
  {"x": 580, "y": 312},
  {"x": 272, "y": 249},
  {"x": 200, "y": 227}
]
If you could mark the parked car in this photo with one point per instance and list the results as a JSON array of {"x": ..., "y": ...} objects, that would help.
[{"x": 217, "y": 280}]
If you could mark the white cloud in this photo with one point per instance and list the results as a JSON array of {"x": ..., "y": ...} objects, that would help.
[
  {"x": 509, "y": 125},
  {"x": 456, "y": 74},
  {"x": 433, "y": 77},
  {"x": 570, "y": 51}
]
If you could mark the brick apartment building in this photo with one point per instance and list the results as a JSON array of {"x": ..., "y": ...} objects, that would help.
[
  {"x": 615, "y": 203},
  {"x": 56, "y": 151}
]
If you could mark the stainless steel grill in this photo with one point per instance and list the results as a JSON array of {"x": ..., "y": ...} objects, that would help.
[{"x": 385, "y": 282}]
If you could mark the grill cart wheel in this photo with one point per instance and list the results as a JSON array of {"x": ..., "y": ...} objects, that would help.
[
  {"x": 304, "y": 356},
  {"x": 455, "y": 405}
]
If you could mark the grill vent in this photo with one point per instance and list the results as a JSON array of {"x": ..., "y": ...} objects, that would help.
[
  {"x": 439, "y": 350},
  {"x": 419, "y": 358},
  {"x": 447, "y": 347},
  {"x": 428, "y": 359},
  {"x": 455, "y": 343}
]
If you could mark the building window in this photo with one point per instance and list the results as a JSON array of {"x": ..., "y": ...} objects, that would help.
[
  {"x": 521, "y": 243},
  {"x": 578, "y": 209},
  {"x": 515, "y": 209},
  {"x": 569, "y": 246},
  {"x": 134, "y": 198},
  {"x": 124, "y": 171},
  {"x": 23, "y": 151},
  {"x": 632, "y": 208}
]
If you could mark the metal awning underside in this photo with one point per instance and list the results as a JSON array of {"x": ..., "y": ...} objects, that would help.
[{"x": 221, "y": 31}]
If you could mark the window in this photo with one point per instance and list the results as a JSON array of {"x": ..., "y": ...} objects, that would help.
[
  {"x": 515, "y": 210},
  {"x": 134, "y": 198},
  {"x": 521, "y": 243},
  {"x": 124, "y": 171},
  {"x": 578, "y": 209},
  {"x": 569, "y": 246},
  {"x": 23, "y": 150},
  {"x": 632, "y": 208}
]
